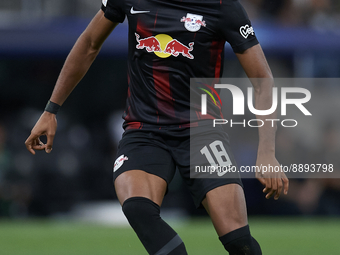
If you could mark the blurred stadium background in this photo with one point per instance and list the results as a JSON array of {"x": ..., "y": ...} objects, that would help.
[{"x": 47, "y": 202}]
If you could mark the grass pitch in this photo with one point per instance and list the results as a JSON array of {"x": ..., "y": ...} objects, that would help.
[{"x": 277, "y": 236}]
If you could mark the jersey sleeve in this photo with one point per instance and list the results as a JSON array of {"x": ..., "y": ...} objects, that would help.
[
  {"x": 113, "y": 10},
  {"x": 236, "y": 27}
]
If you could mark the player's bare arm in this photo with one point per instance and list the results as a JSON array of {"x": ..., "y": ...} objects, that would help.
[
  {"x": 75, "y": 67},
  {"x": 255, "y": 65}
]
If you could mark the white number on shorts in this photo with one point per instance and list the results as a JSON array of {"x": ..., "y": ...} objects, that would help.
[{"x": 220, "y": 154}]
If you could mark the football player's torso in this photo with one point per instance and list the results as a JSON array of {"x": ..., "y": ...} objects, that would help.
[{"x": 170, "y": 42}]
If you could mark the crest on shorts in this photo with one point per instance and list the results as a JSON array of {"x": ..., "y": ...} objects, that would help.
[
  {"x": 119, "y": 162},
  {"x": 193, "y": 22}
]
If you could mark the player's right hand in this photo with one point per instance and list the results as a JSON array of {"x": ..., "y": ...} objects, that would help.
[
  {"x": 274, "y": 181},
  {"x": 46, "y": 125}
]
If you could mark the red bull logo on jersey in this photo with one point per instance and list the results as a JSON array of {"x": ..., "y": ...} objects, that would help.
[
  {"x": 193, "y": 22},
  {"x": 164, "y": 46},
  {"x": 151, "y": 44},
  {"x": 175, "y": 48}
]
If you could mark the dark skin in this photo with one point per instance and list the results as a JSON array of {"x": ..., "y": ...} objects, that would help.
[{"x": 226, "y": 204}]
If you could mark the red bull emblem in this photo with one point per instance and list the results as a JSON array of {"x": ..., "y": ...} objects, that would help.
[
  {"x": 193, "y": 22},
  {"x": 164, "y": 46},
  {"x": 175, "y": 48},
  {"x": 151, "y": 44}
]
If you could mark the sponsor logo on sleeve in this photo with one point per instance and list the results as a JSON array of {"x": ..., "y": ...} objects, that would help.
[{"x": 246, "y": 30}]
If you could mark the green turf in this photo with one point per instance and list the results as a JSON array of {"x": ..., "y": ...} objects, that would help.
[{"x": 277, "y": 236}]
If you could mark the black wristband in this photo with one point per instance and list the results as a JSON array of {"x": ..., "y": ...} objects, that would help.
[{"x": 52, "y": 107}]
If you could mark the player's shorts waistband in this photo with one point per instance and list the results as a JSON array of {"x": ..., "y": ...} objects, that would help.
[{"x": 148, "y": 126}]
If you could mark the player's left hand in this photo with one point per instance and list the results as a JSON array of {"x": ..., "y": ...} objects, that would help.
[
  {"x": 46, "y": 125},
  {"x": 271, "y": 176}
]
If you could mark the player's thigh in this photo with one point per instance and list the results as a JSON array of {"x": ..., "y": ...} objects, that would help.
[
  {"x": 227, "y": 208},
  {"x": 143, "y": 167},
  {"x": 138, "y": 183},
  {"x": 223, "y": 195}
]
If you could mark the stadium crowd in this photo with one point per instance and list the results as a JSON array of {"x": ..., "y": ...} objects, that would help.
[{"x": 319, "y": 14}]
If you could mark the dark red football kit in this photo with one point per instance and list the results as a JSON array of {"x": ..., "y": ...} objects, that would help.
[{"x": 169, "y": 43}]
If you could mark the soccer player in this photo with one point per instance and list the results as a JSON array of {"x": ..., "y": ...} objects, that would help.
[{"x": 169, "y": 42}]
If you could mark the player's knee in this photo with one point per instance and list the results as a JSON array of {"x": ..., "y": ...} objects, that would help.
[
  {"x": 138, "y": 209},
  {"x": 240, "y": 242},
  {"x": 156, "y": 236}
]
